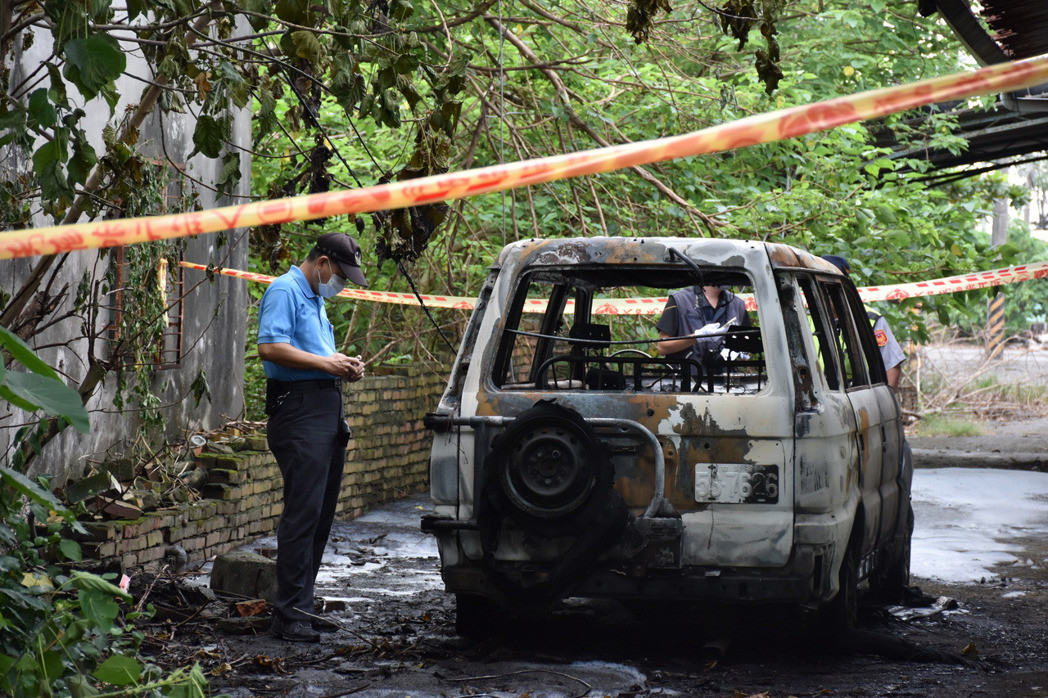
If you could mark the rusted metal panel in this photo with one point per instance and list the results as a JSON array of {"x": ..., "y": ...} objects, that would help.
[{"x": 766, "y": 479}]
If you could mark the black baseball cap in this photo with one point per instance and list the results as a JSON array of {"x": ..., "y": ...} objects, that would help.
[
  {"x": 838, "y": 261},
  {"x": 344, "y": 250}
]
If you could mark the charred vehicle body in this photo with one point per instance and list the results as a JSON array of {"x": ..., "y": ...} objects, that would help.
[{"x": 571, "y": 459}]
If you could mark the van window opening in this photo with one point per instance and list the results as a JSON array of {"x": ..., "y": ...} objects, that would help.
[{"x": 572, "y": 345}]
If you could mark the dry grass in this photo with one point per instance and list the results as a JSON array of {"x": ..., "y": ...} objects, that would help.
[{"x": 954, "y": 379}]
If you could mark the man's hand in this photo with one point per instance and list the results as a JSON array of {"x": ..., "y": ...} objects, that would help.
[
  {"x": 713, "y": 329},
  {"x": 706, "y": 330},
  {"x": 358, "y": 370},
  {"x": 351, "y": 368}
]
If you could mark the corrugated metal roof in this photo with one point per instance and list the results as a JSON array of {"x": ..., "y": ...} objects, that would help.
[
  {"x": 994, "y": 31},
  {"x": 1019, "y": 27}
]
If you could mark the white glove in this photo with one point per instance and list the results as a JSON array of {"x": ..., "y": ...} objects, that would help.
[
  {"x": 729, "y": 355},
  {"x": 710, "y": 330},
  {"x": 714, "y": 329}
]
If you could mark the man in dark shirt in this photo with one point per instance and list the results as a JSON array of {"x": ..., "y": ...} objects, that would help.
[{"x": 699, "y": 315}]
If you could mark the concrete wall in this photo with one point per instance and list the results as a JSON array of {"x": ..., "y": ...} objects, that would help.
[
  {"x": 387, "y": 459},
  {"x": 214, "y": 329}
]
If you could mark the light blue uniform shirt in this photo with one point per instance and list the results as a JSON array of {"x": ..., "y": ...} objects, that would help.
[{"x": 291, "y": 313}]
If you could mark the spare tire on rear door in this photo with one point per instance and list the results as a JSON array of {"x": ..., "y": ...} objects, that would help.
[{"x": 550, "y": 474}]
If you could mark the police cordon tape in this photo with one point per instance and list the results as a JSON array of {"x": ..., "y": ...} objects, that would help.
[
  {"x": 760, "y": 128},
  {"x": 654, "y": 306}
]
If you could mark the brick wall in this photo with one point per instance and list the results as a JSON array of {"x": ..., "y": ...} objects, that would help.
[
  {"x": 387, "y": 459},
  {"x": 389, "y": 456}
]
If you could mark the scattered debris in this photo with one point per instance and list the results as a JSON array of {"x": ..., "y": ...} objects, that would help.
[
  {"x": 122, "y": 487},
  {"x": 910, "y": 612},
  {"x": 394, "y": 634},
  {"x": 255, "y": 607},
  {"x": 116, "y": 508}
]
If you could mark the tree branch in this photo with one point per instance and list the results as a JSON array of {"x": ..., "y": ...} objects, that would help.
[
  {"x": 149, "y": 99},
  {"x": 565, "y": 98}
]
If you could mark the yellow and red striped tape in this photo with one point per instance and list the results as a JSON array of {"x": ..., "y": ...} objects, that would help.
[
  {"x": 760, "y": 128},
  {"x": 654, "y": 306}
]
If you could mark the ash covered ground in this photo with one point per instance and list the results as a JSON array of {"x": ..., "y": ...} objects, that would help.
[{"x": 975, "y": 624}]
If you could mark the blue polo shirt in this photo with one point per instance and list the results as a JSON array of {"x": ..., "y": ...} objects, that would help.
[{"x": 291, "y": 313}]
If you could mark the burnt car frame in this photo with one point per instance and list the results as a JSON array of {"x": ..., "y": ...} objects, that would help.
[{"x": 570, "y": 459}]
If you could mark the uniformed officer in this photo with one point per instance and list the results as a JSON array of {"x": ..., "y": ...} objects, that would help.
[
  {"x": 307, "y": 431},
  {"x": 891, "y": 353}
]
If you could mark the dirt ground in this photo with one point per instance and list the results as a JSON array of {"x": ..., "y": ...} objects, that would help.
[
  {"x": 397, "y": 638},
  {"x": 396, "y": 634}
]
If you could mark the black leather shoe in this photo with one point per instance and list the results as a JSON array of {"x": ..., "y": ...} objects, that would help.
[{"x": 298, "y": 631}]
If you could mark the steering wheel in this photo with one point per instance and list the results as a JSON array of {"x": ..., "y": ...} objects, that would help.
[
  {"x": 629, "y": 352},
  {"x": 542, "y": 376},
  {"x": 638, "y": 367}
]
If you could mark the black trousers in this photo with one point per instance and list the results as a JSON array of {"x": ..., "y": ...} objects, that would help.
[{"x": 307, "y": 434}]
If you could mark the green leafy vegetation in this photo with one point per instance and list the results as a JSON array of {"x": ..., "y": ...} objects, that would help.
[
  {"x": 63, "y": 631},
  {"x": 938, "y": 425},
  {"x": 1025, "y": 303},
  {"x": 346, "y": 94},
  {"x": 39, "y": 388},
  {"x": 832, "y": 192}
]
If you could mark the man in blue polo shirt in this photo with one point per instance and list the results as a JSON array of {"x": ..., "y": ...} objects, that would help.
[{"x": 307, "y": 431}]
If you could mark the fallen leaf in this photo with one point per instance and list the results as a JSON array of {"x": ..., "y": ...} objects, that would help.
[
  {"x": 273, "y": 664},
  {"x": 203, "y": 84},
  {"x": 30, "y": 579},
  {"x": 252, "y": 608}
]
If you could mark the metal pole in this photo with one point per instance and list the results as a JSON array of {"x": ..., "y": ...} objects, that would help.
[
  {"x": 995, "y": 316},
  {"x": 995, "y": 325}
]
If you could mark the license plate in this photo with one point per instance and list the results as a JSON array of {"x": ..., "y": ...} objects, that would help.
[{"x": 736, "y": 483}]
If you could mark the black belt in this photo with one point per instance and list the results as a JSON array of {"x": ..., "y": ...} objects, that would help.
[{"x": 291, "y": 386}]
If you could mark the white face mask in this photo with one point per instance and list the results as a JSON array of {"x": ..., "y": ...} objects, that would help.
[{"x": 335, "y": 284}]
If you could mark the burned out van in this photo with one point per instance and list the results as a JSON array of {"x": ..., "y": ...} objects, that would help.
[{"x": 572, "y": 458}]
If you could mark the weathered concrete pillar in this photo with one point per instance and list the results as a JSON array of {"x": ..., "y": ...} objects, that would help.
[{"x": 245, "y": 574}]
